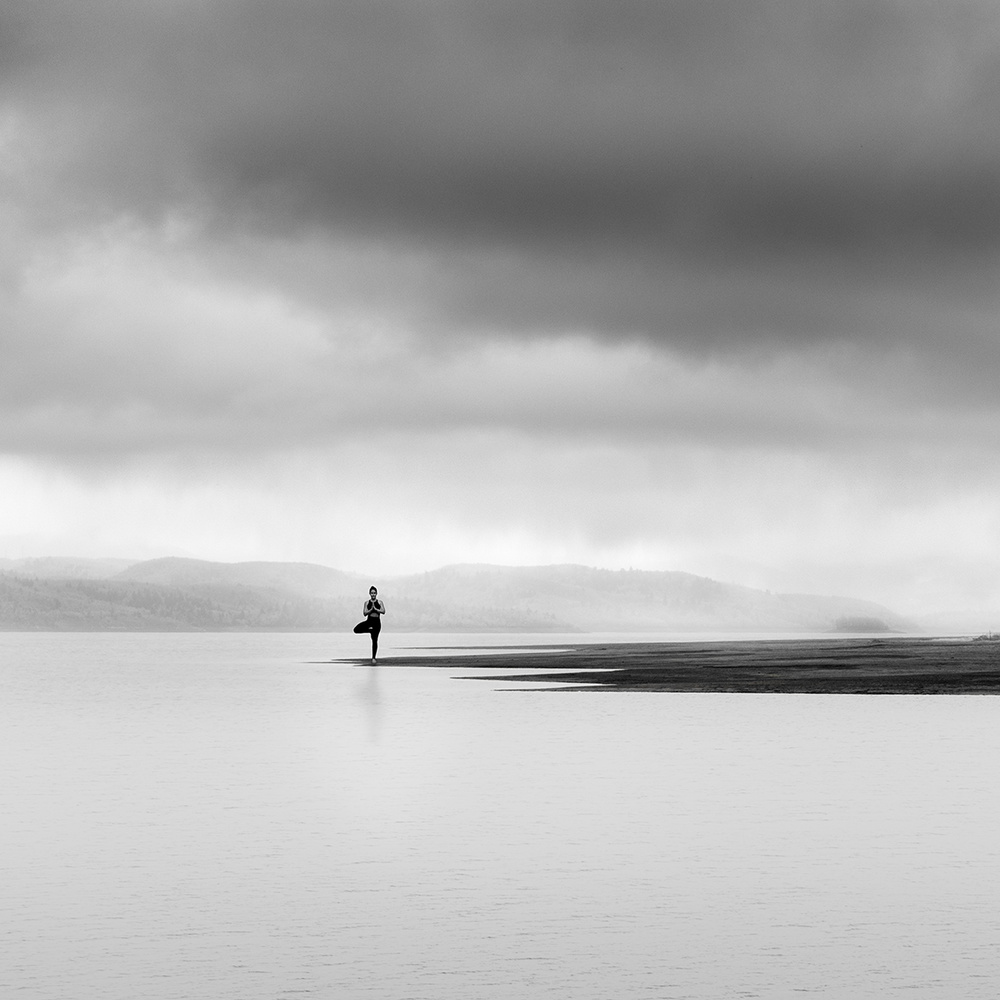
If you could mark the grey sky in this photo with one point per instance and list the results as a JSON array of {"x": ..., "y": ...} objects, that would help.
[{"x": 631, "y": 256}]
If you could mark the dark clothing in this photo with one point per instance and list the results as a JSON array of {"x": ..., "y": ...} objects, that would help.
[
  {"x": 374, "y": 609},
  {"x": 372, "y": 624}
]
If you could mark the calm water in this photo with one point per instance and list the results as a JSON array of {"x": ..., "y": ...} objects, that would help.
[{"x": 215, "y": 816}]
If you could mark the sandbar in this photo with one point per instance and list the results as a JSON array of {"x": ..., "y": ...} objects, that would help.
[{"x": 883, "y": 665}]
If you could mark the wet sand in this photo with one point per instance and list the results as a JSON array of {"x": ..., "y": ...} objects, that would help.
[{"x": 883, "y": 665}]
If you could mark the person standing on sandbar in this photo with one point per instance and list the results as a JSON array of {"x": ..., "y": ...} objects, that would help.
[{"x": 373, "y": 611}]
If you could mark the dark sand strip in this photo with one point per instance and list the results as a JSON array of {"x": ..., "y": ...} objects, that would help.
[{"x": 809, "y": 666}]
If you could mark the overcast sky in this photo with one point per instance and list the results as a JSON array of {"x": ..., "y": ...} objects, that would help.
[{"x": 390, "y": 284}]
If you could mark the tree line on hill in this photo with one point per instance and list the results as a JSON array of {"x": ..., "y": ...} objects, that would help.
[{"x": 187, "y": 594}]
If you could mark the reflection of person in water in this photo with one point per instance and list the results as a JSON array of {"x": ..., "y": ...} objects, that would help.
[{"x": 373, "y": 611}]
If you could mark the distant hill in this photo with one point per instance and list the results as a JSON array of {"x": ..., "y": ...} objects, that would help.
[
  {"x": 305, "y": 579},
  {"x": 60, "y": 568},
  {"x": 597, "y": 600},
  {"x": 191, "y": 594},
  {"x": 107, "y": 605}
]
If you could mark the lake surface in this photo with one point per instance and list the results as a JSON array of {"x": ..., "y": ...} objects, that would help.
[{"x": 226, "y": 816}]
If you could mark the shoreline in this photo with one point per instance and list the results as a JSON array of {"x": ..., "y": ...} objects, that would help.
[{"x": 876, "y": 665}]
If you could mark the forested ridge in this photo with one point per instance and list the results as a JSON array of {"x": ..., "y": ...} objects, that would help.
[{"x": 187, "y": 594}]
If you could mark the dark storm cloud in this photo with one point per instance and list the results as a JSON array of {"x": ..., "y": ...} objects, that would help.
[{"x": 622, "y": 166}]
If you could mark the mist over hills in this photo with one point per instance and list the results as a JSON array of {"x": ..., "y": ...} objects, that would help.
[
  {"x": 304, "y": 579},
  {"x": 63, "y": 568},
  {"x": 190, "y": 594},
  {"x": 602, "y": 600}
]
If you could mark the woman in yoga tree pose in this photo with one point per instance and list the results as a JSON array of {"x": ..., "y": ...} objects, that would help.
[{"x": 373, "y": 611}]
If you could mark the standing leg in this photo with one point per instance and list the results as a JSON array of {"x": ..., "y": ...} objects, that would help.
[{"x": 376, "y": 628}]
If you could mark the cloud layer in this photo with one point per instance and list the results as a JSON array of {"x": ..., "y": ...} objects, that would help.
[{"x": 608, "y": 166}]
